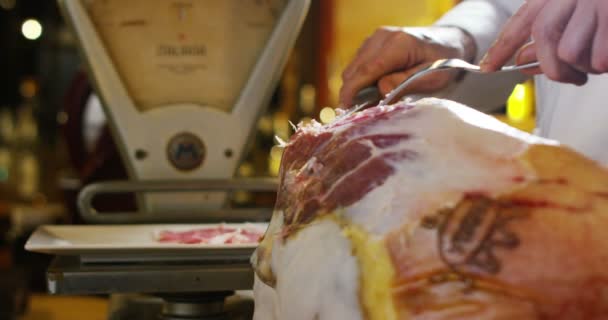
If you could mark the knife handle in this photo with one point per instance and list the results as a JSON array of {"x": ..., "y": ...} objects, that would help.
[{"x": 370, "y": 95}]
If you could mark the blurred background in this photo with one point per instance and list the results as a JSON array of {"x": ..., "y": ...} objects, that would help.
[{"x": 53, "y": 137}]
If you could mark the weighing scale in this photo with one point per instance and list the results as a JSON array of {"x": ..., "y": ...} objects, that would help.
[{"x": 182, "y": 84}]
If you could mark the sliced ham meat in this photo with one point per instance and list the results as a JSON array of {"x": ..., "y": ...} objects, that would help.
[
  {"x": 215, "y": 235},
  {"x": 433, "y": 211}
]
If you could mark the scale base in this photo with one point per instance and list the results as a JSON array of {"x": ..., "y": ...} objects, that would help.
[{"x": 194, "y": 306}]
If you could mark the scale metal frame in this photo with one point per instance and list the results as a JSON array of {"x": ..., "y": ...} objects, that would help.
[{"x": 222, "y": 136}]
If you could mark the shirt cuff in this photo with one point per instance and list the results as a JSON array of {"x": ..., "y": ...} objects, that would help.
[{"x": 481, "y": 19}]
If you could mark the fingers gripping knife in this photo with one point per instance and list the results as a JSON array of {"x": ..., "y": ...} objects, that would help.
[{"x": 183, "y": 83}]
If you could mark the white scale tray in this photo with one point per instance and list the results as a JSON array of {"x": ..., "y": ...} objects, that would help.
[{"x": 128, "y": 243}]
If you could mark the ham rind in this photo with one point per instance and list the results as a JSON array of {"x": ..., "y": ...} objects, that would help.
[{"x": 433, "y": 211}]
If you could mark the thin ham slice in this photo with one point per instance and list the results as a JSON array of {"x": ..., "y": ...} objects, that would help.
[
  {"x": 215, "y": 235},
  {"x": 433, "y": 211}
]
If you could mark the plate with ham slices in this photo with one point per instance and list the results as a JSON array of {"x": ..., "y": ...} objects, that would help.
[{"x": 148, "y": 239}]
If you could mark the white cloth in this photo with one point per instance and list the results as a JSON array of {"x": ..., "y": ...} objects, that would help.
[{"x": 572, "y": 115}]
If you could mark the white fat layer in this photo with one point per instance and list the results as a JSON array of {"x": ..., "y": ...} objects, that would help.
[
  {"x": 317, "y": 277},
  {"x": 456, "y": 150},
  {"x": 266, "y": 301}
]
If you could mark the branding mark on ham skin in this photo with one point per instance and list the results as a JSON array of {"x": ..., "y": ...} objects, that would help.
[{"x": 471, "y": 233}]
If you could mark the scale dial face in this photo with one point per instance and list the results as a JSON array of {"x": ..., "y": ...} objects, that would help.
[{"x": 172, "y": 52}]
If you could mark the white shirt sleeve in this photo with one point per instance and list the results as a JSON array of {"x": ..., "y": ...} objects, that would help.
[{"x": 483, "y": 20}]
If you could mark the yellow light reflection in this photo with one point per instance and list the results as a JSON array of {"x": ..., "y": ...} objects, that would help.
[
  {"x": 242, "y": 197},
  {"x": 246, "y": 169},
  {"x": 305, "y": 120},
  {"x": 274, "y": 163},
  {"x": 280, "y": 125},
  {"x": 31, "y": 29},
  {"x": 520, "y": 108},
  {"x": 28, "y": 88},
  {"x": 265, "y": 125},
  {"x": 7, "y": 4},
  {"x": 520, "y": 105},
  {"x": 308, "y": 94},
  {"x": 276, "y": 152},
  {"x": 327, "y": 115}
]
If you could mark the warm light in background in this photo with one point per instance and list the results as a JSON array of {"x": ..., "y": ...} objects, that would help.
[
  {"x": 281, "y": 126},
  {"x": 31, "y": 29},
  {"x": 276, "y": 153},
  {"x": 521, "y": 102},
  {"x": 305, "y": 120},
  {"x": 307, "y": 98},
  {"x": 28, "y": 88},
  {"x": 7, "y": 4},
  {"x": 520, "y": 108},
  {"x": 327, "y": 115},
  {"x": 246, "y": 170},
  {"x": 265, "y": 125}
]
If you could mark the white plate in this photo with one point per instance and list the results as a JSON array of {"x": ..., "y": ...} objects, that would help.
[{"x": 120, "y": 240}]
